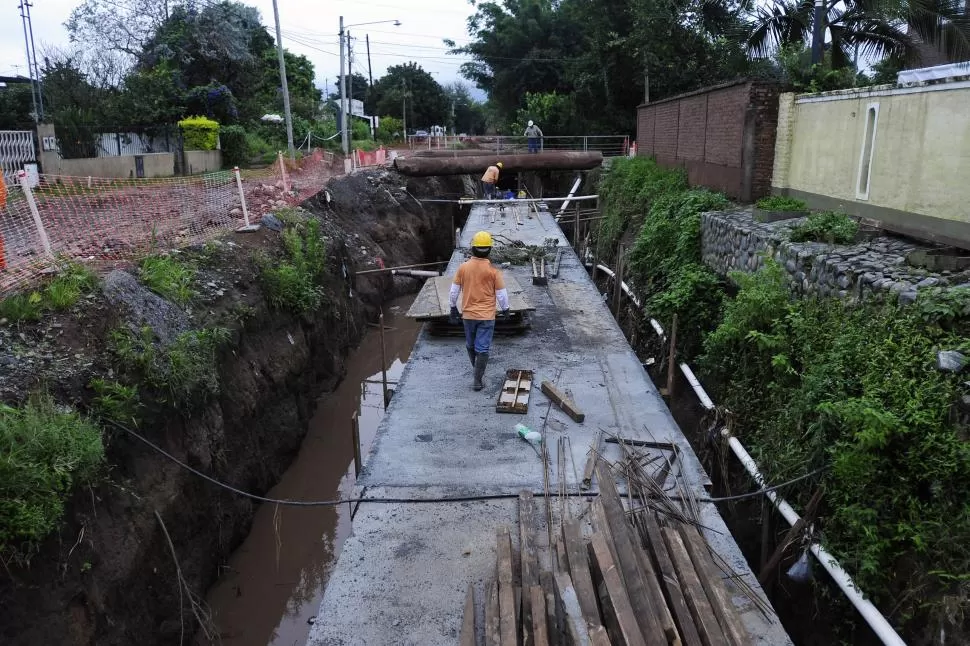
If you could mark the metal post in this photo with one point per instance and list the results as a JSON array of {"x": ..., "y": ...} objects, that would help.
[
  {"x": 30, "y": 66},
  {"x": 35, "y": 214},
  {"x": 355, "y": 439},
  {"x": 383, "y": 360},
  {"x": 286, "y": 91},
  {"x": 672, "y": 359},
  {"x": 818, "y": 32},
  {"x": 343, "y": 94},
  {"x": 370, "y": 73}
]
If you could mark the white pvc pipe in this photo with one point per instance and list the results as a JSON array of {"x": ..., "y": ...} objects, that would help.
[
  {"x": 696, "y": 385},
  {"x": 880, "y": 626},
  {"x": 659, "y": 330},
  {"x": 624, "y": 286},
  {"x": 416, "y": 273},
  {"x": 569, "y": 197}
]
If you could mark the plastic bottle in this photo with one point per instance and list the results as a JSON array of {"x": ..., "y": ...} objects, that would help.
[{"x": 528, "y": 434}]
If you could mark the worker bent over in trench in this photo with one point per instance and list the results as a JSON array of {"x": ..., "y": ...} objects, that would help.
[{"x": 479, "y": 284}]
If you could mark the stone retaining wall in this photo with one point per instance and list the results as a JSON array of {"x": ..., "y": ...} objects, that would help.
[{"x": 734, "y": 241}]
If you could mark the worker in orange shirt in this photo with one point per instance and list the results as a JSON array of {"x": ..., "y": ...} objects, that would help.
[
  {"x": 490, "y": 180},
  {"x": 480, "y": 285}
]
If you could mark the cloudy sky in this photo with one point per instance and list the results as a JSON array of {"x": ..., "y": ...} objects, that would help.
[{"x": 309, "y": 27}]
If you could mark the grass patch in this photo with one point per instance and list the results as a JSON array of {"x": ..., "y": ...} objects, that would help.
[
  {"x": 781, "y": 203},
  {"x": 829, "y": 226},
  {"x": 186, "y": 373},
  {"x": 168, "y": 277},
  {"x": 115, "y": 402},
  {"x": 45, "y": 451},
  {"x": 294, "y": 282},
  {"x": 60, "y": 293}
]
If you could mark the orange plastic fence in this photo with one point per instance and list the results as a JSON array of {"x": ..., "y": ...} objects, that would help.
[{"x": 107, "y": 221}]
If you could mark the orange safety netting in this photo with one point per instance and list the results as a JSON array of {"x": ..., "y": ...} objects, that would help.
[{"x": 106, "y": 221}]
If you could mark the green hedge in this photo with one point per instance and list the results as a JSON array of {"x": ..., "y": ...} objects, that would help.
[
  {"x": 235, "y": 150},
  {"x": 199, "y": 133}
]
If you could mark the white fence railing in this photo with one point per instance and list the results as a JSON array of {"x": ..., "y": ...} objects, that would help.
[{"x": 609, "y": 145}]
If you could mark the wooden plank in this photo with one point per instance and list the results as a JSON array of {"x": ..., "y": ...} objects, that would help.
[
  {"x": 618, "y": 608},
  {"x": 678, "y": 605},
  {"x": 653, "y": 585},
  {"x": 506, "y": 588},
  {"x": 599, "y": 637},
  {"x": 565, "y": 403},
  {"x": 432, "y": 301},
  {"x": 553, "y": 613},
  {"x": 643, "y": 598},
  {"x": 700, "y": 607},
  {"x": 467, "y": 637},
  {"x": 493, "y": 621},
  {"x": 712, "y": 578},
  {"x": 579, "y": 572},
  {"x": 591, "y": 462},
  {"x": 537, "y": 602},
  {"x": 575, "y": 627},
  {"x": 529, "y": 561}
]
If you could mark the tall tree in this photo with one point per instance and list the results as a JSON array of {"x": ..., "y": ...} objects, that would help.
[
  {"x": 870, "y": 29},
  {"x": 357, "y": 86},
  {"x": 467, "y": 114},
  {"x": 124, "y": 26},
  {"x": 408, "y": 84}
]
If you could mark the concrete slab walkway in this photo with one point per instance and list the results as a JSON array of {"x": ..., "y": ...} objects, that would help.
[{"x": 402, "y": 576}]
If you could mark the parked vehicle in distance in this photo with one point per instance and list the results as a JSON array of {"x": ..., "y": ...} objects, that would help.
[{"x": 420, "y": 133}]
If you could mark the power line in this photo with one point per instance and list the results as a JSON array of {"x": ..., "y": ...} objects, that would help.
[{"x": 442, "y": 499}]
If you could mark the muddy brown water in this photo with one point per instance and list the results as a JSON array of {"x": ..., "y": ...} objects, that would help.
[{"x": 273, "y": 584}]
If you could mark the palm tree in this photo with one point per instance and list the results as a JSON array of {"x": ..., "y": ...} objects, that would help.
[{"x": 873, "y": 29}]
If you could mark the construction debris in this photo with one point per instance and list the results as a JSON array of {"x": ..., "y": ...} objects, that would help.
[
  {"x": 562, "y": 401},
  {"x": 639, "y": 574},
  {"x": 514, "y": 396}
]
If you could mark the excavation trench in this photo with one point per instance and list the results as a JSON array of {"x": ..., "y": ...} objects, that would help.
[{"x": 270, "y": 589}]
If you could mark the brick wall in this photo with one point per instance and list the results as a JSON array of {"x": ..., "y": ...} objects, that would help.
[{"x": 723, "y": 136}]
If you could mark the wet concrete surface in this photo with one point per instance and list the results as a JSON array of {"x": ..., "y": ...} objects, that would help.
[
  {"x": 402, "y": 576},
  {"x": 272, "y": 586}
]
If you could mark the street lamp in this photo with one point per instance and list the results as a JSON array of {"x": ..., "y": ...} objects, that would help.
[{"x": 345, "y": 110}]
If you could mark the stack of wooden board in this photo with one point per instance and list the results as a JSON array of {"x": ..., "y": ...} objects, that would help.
[{"x": 652, "y": 582}]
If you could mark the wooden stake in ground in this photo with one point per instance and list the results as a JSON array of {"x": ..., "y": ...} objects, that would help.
[{"x": 672, "y": 359}]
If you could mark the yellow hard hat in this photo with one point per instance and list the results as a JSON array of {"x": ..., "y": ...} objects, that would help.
[
  {"x": 482, "y": 239},
  {"x": 500, "y": 165}
]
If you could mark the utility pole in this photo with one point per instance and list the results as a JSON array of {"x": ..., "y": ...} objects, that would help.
[
  {"x": 350, "y": 96},
  {"x": 343, "y": 94},
  {"x": 818, "y": 32},
  {"x": 30, "y": 65},
  {"x": 286, "y": 91},
  {"x": 370, "y": 74},
  {"x": 404, "y": 111},
  {"x": 33, "y": 53}
]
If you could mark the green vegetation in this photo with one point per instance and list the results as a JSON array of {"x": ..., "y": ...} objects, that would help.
[
  {"x": 199, "y": 133},
  {"x": 186, "y": 372},
  {"x": 851, "y": 388},
  {"x": 115, "y": 402},
  {"x": 295, "y": 282},
  {"x": 664, "y": 262},
  {"x": 831, "y": 227},
  {"x": 45, "y": 450},
  {"x": 168, "y": 277},
  {"x": 61, "y": 293},
  {"x": 854, "y": 388},
  {"x": 235, "y": 151},
  {"x": 781, "y": 203}
]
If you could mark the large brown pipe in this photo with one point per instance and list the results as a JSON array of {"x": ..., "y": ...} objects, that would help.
[{"x": 427, "y": 166}]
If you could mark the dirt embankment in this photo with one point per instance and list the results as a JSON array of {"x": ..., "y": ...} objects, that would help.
[{"x": 108, "y": 576}]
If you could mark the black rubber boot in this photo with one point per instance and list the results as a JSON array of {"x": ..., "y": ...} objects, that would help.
[
  {"x": 471, "y": 355},
  {"x": 480, "y": 362}
]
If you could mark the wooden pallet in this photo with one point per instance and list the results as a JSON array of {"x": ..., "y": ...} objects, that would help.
[
  {"x": 514, "y": 396},
  {"x": 432, "y": 301}
]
